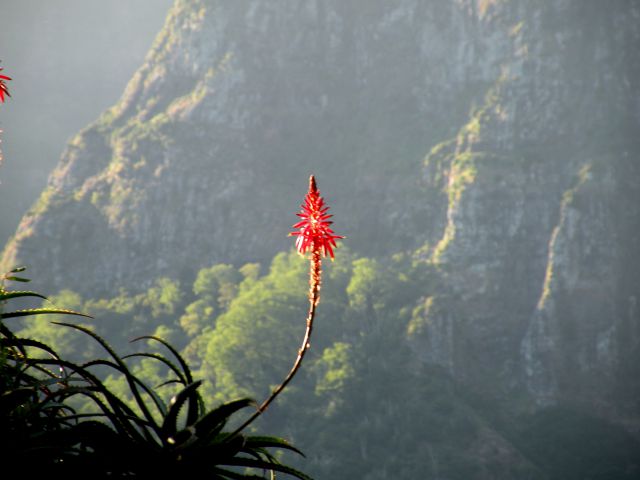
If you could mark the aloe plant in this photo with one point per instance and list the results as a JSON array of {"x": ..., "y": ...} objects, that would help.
[
  {"x": 30, "y": 420},
  {"x": 153, "y": 438}
]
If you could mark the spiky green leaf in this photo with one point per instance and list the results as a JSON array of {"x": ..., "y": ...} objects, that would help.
[
  {"x": 214, "y": 421},
  {"x": 42, "y": 311},
  {"x": 263, "y": 465},
  {"x": 19, "y": 293},
  {"x": 16, "y": 279},
  {"x": 169, "y": 425},
  {"x": 270, "y": 442}
]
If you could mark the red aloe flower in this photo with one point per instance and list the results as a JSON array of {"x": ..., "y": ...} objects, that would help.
[
  {"x": 3, "y": 87},
  {"x": 315, "y": 234}
]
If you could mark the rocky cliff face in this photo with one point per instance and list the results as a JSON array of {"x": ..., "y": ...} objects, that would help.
[
  {"x": 542, "y": 221},
  {"x": 527, "y": 203},
  {"x": 234, "y": 107}
]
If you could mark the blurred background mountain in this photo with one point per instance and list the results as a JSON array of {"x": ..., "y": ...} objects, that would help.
[
  {"x": 481, "y": 156},
  {"x": 69, "y": 61}
]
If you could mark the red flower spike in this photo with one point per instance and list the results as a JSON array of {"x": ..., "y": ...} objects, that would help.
[
  {"x": 314, "y": 234},
  {"x": 3, "y": 87}
]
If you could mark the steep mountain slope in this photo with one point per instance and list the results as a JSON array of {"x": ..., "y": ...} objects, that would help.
[
  {"x": 61, "y": 83},
  {"x": 236, "y": 104},
  {"x": 542, "y": 223}
]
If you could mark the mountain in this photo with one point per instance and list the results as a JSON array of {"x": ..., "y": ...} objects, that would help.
[
  {"x": 495, "y": 141},
  {"x": 233, "y": 109},
  {"x": 541, "y": 233},
  {"x": 60, "y": 84}
]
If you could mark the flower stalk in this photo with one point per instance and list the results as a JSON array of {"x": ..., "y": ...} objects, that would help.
[{"x": 316, "y": 237}]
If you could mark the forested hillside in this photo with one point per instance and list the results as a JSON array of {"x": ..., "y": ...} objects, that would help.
[{"x": 482, "y": 158}]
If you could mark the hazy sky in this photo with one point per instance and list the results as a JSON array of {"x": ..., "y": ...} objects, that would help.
[{"x": 69, "y": 60}]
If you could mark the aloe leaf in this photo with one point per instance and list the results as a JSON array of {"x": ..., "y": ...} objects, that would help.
[
  {"x": 196, "y": 403},
  {"x": 38, "y": 364},
  {"x": 16, "y": 279},
  {"x": 169, "y": 382},
  {"x": 42, "y": 311},
  {"x": 17, "y": 294},
  {"x": 57, "y": 407},
  {"x": 131, "y": 379},
  {"x": 270, "y": 442},
  {"x": 93, "y": 430},
  {"x": 235, "y": 475},
  {"x": 80, "y": 416},
  {"x": 4, "y": 330},
  {"x": 162, "y": 359},
  {"x": 160, "y": 405},
  {"x": 126, "y": 424},
  {"x": 184, "y": 439},
  {"x": 174, "y": 352},
  {"x": 29, "y": 342},
  {"x": 49, "y": 382},
  {"x": 215, "y": 420},
  {"x": 15, "y": 397},
  {"x": 120, "y": 415},
  {"x": 261, "y": 464},
  {"x": 169, "y": 425},
  {"x": 258, "y": 453},
  {"x": 102, "y": 440},
  {"x": 223, "y": 447}
]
